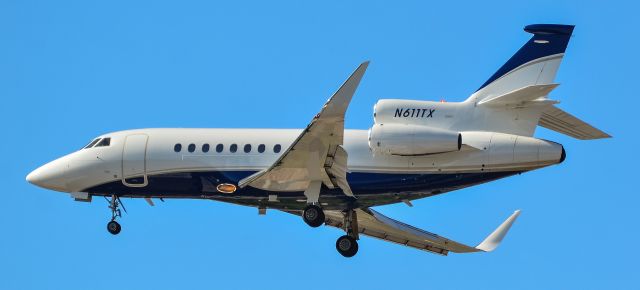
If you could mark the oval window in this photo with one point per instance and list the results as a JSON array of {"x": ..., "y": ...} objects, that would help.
[
  {"x": 233, "y": 148},
  {"x": 205, "y": 148},
  {"x": 192, "y": 147},
  {"x": 277, "y": 148},
  {"x": 177, "y": 147},
  {"x": 219, "y": 148},
  {"x": 247, "y": 148},
  {"x": 261, "y": 148}
]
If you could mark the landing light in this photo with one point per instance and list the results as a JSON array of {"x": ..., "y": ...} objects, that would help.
[{"x": 226, "y": 188}]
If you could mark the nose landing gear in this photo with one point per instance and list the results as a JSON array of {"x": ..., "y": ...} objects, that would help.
[{"x": 113, "y": 226}]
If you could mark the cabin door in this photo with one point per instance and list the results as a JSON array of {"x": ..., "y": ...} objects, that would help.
[{"x": 134, "y": 161}]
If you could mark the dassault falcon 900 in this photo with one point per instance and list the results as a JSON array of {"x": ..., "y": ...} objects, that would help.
[{"x": 332, "y": 176}]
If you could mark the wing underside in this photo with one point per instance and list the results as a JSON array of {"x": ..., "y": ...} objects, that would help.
[{"x": 374, "y": 224}]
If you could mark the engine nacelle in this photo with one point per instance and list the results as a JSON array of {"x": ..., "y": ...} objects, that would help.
[{"x": 409, "y": 140}]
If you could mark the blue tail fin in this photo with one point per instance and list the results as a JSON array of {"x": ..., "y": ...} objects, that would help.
[{"x": 535, "y": 63}]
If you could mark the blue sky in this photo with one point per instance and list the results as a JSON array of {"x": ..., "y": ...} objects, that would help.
[{"x": 71, "y": 70}]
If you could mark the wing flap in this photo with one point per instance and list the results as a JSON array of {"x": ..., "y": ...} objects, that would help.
[{"x": 336, "y": 168}]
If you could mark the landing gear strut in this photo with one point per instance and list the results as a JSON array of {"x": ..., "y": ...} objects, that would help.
[
  {"x": 113, "y": 226},
  {"x": 313, "y": 215},
  {"x": 347, "y": 245}
]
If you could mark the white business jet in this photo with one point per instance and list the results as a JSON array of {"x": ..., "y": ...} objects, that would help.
[{"x": 332, "y": 176}]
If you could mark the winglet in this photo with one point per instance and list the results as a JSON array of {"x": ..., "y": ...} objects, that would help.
[
  {"x": 329, "y": 124},
  {"x": 337, "y": 104},
  {"x": 493, "y": 240}
]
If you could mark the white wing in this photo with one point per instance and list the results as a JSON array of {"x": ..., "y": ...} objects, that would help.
[
  {"x": 375, "y": 224},
  {"x": 316, "y": 156}
]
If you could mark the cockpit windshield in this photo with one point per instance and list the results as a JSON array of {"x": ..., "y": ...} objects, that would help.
[
  {"x": 104, "y": 142},
  {"x": 99, "y": 142},
  {"x": 92, "y": 143}
]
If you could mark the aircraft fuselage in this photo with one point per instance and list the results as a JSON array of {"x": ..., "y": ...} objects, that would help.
[{"x": 192, "y": 163}]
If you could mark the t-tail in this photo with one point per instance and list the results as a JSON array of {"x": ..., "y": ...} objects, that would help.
[
  {"x": 510, "y": 105},
  {"x": 517, "y": 94},
  {"x": 536, "y": 63}
]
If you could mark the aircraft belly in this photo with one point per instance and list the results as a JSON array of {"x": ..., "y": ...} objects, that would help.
[{"x": 370, "y": 188}]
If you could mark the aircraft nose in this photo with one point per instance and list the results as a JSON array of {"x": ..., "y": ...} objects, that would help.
[{"x": 50, "y": 176}]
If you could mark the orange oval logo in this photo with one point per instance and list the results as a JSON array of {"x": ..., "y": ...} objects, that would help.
[{"x": 226, "y": 188}]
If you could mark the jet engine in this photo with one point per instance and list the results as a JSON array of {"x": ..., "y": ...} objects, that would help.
[{"x": 408, "y": 139}]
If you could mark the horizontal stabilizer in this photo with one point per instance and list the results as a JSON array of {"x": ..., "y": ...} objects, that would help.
[
  {"x": 560, "y": 121},
  {"x": 520, "y": 96}
]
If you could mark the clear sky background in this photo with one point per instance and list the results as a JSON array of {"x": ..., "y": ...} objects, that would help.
[{"x": 71, "y": 70}]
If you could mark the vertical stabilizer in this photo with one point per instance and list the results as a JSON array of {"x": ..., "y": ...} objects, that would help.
[{"x": 536, "y": 63}]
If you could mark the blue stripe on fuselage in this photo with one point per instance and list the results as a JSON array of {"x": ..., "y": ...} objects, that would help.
[{"x": 197, "y": 184}]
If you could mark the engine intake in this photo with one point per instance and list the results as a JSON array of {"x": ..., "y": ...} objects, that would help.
[{"x": 409, "y": 140}]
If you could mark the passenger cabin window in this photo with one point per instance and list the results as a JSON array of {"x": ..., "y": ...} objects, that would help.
[
  {"x": 205, "y": 148},
  {"x": 192, "y": 147},
  {"x": 92, "y": 143},
  {"x": 233, "y": 148},
  {"x": 247, "y": 148},
  {"x": 277, "y": 148},
  {"x": 177, "y": 147},
  {"x": 219, "y": 148},
  {"x": 104, "y": 142},
  {"x": 261, "y": 148}
]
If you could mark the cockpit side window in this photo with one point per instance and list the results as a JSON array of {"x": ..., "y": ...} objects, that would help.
[
  {"x": 104, "y": 142},
  {"x": 92, "y": 143}
]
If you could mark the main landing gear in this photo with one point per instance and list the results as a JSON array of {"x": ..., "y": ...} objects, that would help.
[
  {"x": 347, "y": 245},
  {"x": 313, "y": 215},
  {"x": 113, "y": 226}
]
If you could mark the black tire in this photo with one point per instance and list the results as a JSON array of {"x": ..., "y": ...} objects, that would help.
[
  {"x": 114, "y": 227},
  {"x": 313, "y": 215},
  {"x": 347, "y": 246}
]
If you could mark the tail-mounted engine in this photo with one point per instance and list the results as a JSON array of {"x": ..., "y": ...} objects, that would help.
[{"x": 408, "y": 139}]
